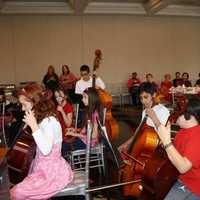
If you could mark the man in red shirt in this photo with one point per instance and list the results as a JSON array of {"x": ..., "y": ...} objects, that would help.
[
  {"x": 184, "y": 153},
  {"x": 133, "y": 86}
]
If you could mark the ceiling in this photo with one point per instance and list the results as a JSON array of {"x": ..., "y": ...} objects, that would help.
[{"x": 82, "y": 7}]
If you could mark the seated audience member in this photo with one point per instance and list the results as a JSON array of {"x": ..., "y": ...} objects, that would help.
[
  {"x": 178, "y": 81},
  {"x": 198, "y": 81},
  {"x": 183, "y": 152},
  {"x": 94, "y": 111},
  {"x": 133, "y": 85},
  {"x": 49, "y": 172},
  {"x": 186, "y": 82},
  {"x": 165, "y": 87},
  {"x": 50, "y": 79},
  {"x": 67, "y": 81},
  {"x": 150, "y": 79},
  {"x": 64, "y": 115}
]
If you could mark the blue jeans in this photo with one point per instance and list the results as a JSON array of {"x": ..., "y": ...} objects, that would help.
[{"x": 180, "y": 192}]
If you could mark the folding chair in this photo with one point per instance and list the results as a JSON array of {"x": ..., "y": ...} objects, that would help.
[
  {"x": 125, "y": 95},
  {"x": 77, "y": 158},
  {"x": 81, "y": 178}
]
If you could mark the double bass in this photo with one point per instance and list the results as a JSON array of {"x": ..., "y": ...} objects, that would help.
[{"x": 106, "y": 100}]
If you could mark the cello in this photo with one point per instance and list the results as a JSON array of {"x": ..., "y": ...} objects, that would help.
[
  {"x": 20, "y": 147},
  {"x": 151, "y": 164},
  {"x": 143, "y": 144},
  {"x": 106, "y": 100},
  {"x": 20, "y": 155},
  {"x": 159, "y": 170}
]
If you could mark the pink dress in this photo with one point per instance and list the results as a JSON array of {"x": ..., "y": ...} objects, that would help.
[{"x": 48, "y": 175}]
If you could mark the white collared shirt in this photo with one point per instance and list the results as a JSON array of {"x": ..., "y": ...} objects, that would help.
[{"x": 82, "y": 85}]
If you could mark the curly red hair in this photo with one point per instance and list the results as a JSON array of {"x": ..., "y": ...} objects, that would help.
[{"x": 43, "y": 104}]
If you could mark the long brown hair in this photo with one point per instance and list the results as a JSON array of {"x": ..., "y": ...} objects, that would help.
[
  {"x": 65, "y": 67},
  {"x": 94, "y": 103},
  {"x": 43, "y": 104},
  {"x": 51, "y": 67}
]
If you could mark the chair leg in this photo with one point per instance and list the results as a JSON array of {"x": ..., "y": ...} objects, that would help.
[{"x": 87, "y": 196}]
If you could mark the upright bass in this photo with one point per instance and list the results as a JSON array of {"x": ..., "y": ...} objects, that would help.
[{"x": 110, "y": 123}]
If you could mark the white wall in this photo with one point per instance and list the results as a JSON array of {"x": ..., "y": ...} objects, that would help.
[{"x": 28, "y": 44}]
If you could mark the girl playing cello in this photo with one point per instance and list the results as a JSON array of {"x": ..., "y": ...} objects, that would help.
[{"x": 49, "y": 172}]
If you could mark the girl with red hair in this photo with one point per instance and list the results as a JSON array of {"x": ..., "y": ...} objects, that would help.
[{"x": 49, "y": 172}]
